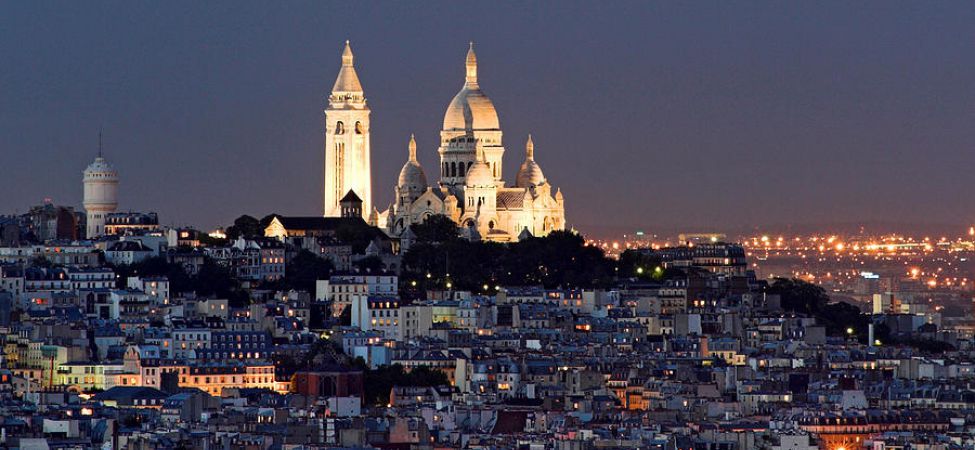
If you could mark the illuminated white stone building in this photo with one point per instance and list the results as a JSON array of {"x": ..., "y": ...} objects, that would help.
[{"x": 471, "y": 191}]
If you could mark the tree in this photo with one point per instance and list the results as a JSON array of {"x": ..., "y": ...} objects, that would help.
[
  {"x": 436, "y": 228},
  {"x": 561, "y": 259},
  {"x": 806, "y": 298},
  {"x": 305, "y": 269},
  {"x": 216, "y": 280},
  {"x": 379, "y": 382},
  {"x": 246, "y": 226},
  {"x": 370, "y": 264},
  {"x": 634, "y": 263},
  {"x": 799, "y": 296},
  {"x": 156, "y": 266},
  {"x": 357, "y": 234}
]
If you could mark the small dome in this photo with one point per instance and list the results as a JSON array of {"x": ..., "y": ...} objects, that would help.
[
  {"x": 530, "y": 173},
  {"x": 100, "y": 166},
  {"x": 412, "y": 176},
  {"x": 480, "y": 172},
  {"x": 471, "y": 109}
]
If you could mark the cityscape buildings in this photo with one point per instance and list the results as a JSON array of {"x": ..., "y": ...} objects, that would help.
[{"x": 465, "y": 315}]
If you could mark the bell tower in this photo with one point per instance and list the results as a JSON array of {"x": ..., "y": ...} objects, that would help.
[{"x": 347, "y": 157}]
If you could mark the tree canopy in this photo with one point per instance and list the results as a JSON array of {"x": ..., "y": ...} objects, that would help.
[
  {"x": 640, "y": 265},
  {"x": 436, "y": 228},
  {"x": 799, "y": 296},
  {"x": 379, "y": 382},
  {"x": 806, "y": 298},
  {"x": 560, "y": 259},
  {"x": 211, "y": 280},
  {"x": 246, "y": 226},
  {"x": 302, "y": 271}
]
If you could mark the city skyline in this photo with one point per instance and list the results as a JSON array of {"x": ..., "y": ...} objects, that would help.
[
  {"x": 434, "y": 225},
  {"x": 669, "y": 117}
]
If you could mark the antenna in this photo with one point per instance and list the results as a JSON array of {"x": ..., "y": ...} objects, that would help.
[{"x": 99, "y": 142}]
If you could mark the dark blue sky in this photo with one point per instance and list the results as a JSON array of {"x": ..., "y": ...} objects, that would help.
[{"x": 669, "y": 115}]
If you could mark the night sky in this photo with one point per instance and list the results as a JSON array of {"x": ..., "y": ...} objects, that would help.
[{"x": 657, "y": 116}]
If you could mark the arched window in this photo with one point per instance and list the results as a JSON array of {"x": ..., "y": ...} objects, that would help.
[
  {"x": 461, "y": 169},
  {"x": 491, "y": 225},
  {"x": 358, "y": 128},
  {"x": 453, "y": 169},
  {"x": 339, "y": 128}
]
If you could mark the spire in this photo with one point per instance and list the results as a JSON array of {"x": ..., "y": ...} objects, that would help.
[
  {"x": 348, "y": 81},
  {"x": 347, "y": 54},
  {"x": 99, "y": 142},
  {"x": 471, "y": 66},
  {"x": 529, "y": 148},
  {"x": 412, "y": 148}
]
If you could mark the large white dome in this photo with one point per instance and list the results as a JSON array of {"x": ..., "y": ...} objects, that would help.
[{"x": 471, "y": 109}]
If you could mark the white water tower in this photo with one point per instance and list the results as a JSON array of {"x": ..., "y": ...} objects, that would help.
[{"x": 101, "y": 194}]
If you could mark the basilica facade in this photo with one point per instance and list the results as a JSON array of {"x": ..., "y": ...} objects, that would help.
[{"x": 471, "y": 190}]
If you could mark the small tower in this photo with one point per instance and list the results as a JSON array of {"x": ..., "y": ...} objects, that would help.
[
  {"x": 351, "y": 205},
  {"x": 347, "y": 151},
  {"x": 101, "y": 193}
]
